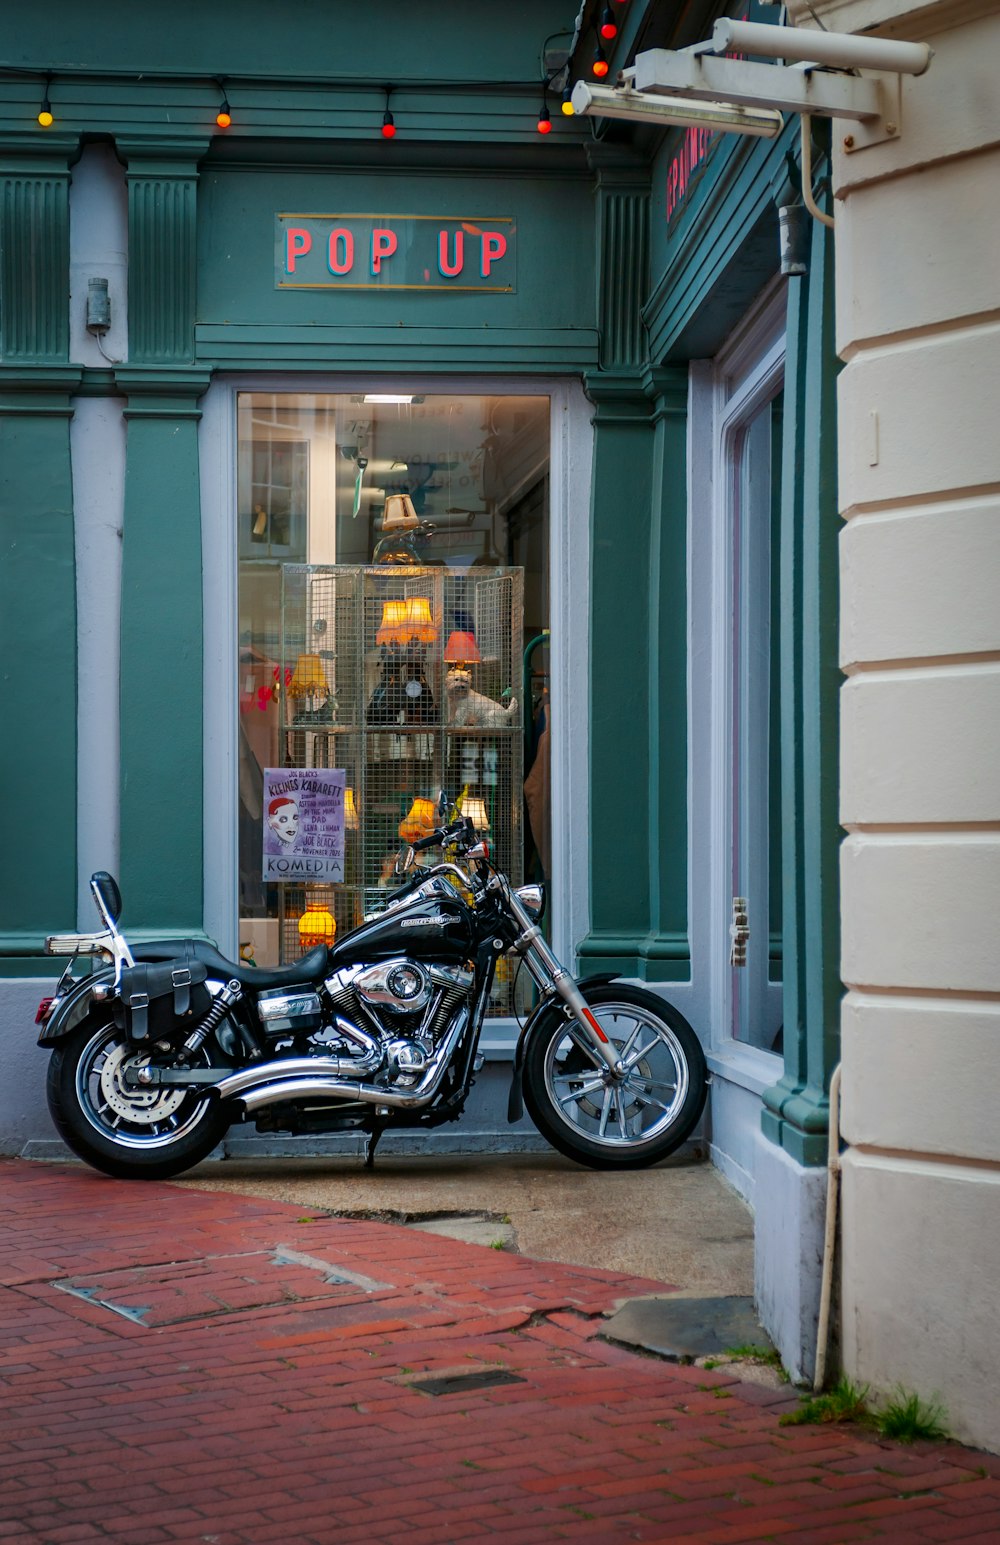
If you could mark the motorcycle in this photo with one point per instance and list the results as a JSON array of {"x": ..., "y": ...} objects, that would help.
[{"x": 164, "y": 1046}]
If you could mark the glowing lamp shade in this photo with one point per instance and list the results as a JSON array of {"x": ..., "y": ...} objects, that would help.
[
  {"x": 308, "y": 677},
  {"x": 419, "y": 820},
  {"x": 475, "y": 809},
  {"x": 391, "y": 628},
  {"x": 406, "y": 622},
  {"x": 419, "y": 622},
  {"x": 316, "y": 926},
  {"x": 351, "y": 818},
  {"x": 461, "y": 649},
  {"x": 399, "y": 514}
]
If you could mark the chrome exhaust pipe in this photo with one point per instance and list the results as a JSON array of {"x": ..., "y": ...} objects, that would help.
[
  {"x": 262, "y": 1073},
  {"x": 304, "y": 1079}
]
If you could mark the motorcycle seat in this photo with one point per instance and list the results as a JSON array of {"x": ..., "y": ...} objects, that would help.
[{"x": 311, "y": 968}]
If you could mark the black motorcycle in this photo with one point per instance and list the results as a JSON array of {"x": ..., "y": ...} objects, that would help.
[{"x": 164, "y": 1046}]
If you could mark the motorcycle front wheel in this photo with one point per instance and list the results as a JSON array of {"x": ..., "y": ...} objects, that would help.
[
  {"x": 630, "y": 1121},
  {"x": 146, "y": 1134}
]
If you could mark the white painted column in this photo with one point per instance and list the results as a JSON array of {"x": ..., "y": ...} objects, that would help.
[
  {"x": 918, "y": 321},
  {"x": 98, "y": 243}
]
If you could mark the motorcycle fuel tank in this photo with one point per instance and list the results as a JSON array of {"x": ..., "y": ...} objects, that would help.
[{"x": 428, "y": 928}]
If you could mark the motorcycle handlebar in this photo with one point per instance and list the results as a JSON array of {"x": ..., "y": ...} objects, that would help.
[{"x": 443, "y": 833}]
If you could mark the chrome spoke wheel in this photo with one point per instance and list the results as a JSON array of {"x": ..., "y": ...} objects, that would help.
[
  {"x": 620, "y": 1119},
  {"x": 635, "y": 1107},
  {"x": 129, "y": 1117}
]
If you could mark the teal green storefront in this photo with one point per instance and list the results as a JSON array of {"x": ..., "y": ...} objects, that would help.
[{"x": 689, "y": 563}]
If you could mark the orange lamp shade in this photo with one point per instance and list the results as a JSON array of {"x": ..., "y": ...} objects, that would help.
[
  {"x": 419, "y": 820},
  {"x": 308, "y": 677},
  {"x": 390, "y": 629},
  {"x": 419, "y": 621},
  {"x": 316, "y": 926},
  {"x": 461, "y": 649},
  {"x": 406, "y": 622}
]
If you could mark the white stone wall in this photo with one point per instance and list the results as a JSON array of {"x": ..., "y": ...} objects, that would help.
[{"x": 918, "y": 326}]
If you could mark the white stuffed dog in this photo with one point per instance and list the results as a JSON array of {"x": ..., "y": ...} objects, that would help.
[{"x": 471, "y": 710}]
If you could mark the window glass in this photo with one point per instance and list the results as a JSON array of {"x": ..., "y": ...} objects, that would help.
[{"x": 353, "y": 490}]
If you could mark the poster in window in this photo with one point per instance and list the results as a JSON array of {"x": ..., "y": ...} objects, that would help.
[{"x": 304, "y": 824}]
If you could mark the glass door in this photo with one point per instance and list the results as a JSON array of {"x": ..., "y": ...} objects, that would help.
[{"x": 755, "y": 872}]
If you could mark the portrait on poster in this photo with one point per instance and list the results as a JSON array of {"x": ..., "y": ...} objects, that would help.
[{"x": 304, "y": 824}]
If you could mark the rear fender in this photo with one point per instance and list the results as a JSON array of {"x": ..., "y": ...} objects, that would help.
[
  {"x": 73, "y": 1007},
  {"x": 539, "y": 1016}
]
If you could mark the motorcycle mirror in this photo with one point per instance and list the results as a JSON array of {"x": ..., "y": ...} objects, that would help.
[
  {"x": 405, "y": 859},
  {"x": 107, "y": 896}
]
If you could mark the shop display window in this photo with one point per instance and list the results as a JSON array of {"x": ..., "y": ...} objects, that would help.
[{"x": 393, "y": 623}]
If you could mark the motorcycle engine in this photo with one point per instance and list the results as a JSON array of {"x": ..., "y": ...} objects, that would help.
[{"x": 407, "y": 1004}]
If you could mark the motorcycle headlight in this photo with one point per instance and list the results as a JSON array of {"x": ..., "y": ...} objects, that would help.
[{"x": 532, "y": 899}]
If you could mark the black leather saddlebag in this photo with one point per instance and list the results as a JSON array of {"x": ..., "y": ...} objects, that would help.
[{"x": 160, "y": 998}]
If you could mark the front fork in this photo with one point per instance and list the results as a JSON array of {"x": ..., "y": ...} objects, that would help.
[{"x": 550, "y": 976}]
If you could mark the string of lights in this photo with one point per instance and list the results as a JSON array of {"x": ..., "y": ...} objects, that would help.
[{"x": 227, "y": 117}]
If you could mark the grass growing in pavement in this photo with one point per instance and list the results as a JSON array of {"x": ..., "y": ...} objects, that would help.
[
  {"x": 845, "y": 1402},
  {"x": 905, "y": 1418}
]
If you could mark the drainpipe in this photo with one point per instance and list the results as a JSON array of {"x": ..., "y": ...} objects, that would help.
[{"x": 830, "y": 1240}]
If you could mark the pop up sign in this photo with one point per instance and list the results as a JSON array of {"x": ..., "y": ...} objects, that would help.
[{"x": 394, "y": 252}]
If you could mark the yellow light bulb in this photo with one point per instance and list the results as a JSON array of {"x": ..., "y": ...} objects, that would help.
[
  {"x": 45, "y": 118},
  {"x": 568, "y": 109}
]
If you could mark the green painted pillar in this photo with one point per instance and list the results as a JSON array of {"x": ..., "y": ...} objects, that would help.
[
  {"x": 666, "y": 950},
  {"x": 621, "y": 537},
  {"x": 619, "y": 675},
  {"x": 795, "y": 1113},
  {"x": 37, "y": 557},
  {"x": 162, "y": 837}
]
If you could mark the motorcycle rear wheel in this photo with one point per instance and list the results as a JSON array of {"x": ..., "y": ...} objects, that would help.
[
  {"x": 631, "y": 1122},
  {"x": 129, "y": 1133}
]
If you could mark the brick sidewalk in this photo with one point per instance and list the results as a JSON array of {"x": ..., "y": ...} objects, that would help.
[{"x": 188, "y": 1366}]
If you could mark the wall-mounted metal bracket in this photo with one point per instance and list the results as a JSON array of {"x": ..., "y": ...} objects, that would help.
[{"x": 790, "y": 88}]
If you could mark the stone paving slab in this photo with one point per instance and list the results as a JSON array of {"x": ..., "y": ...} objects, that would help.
[
  {"x": 262, "y": 1398},
  {"x": 682, "y": 1329}
]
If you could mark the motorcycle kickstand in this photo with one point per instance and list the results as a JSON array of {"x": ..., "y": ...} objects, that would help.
[{"x": 371, "y": 1143}]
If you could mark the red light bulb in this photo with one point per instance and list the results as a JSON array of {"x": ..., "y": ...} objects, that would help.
[
  {"x": 544, "y": 125},
  {"x": 609, "y": 27},
  {"x": 599, "y": 68},
  {"x": 388, "y": 125}
]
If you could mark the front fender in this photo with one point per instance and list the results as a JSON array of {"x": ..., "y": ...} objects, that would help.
[
  {"x": 538, "y": 1016},
  {"x": 73, "y": 1007}
]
